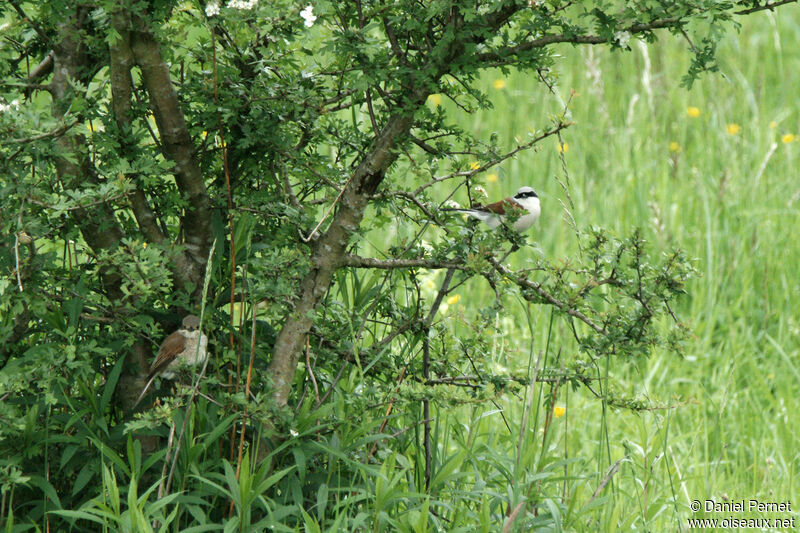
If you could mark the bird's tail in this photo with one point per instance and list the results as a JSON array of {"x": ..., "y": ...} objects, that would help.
[{"x": 144, "y": 390}]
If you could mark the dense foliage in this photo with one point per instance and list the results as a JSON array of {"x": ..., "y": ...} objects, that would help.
[{"x": 279, "y": 170}]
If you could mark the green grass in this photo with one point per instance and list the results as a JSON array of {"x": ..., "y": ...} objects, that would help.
[
  {"x": 730, "y": 200},
  {"x": 734, "y": 434}
]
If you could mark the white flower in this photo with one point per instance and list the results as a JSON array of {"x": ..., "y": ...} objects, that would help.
[
  {"x": 622, "y": 38},
  {"x": 308, "y": 15},
  {"x": 212, "y": 9},
  {"x": 293, "y": 433},
  {"x": 11, "y": 106},
  {"x": 243, "y": 4}
]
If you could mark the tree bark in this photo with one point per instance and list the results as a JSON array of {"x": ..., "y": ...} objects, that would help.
[
  {"x": 178, "y": 148},
  {"x": 122, "y": 61},
  {"x": 329, "y": 251},
  {"x": 98, "y": 225}
]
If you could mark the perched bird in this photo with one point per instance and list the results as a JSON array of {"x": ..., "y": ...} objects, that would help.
[
  {"x": 184, "y": 347},
  {"x": 494, "y": 214}
]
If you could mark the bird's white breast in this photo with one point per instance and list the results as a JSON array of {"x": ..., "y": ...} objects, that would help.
[
  {"x": 193, "y": 354},
  {"x": 533, "y": 208}
]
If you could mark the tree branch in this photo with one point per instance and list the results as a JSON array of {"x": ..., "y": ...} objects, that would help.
[
  {"x": 58, "y": 132},
  {"x": 38, "y": 29},
  {"x": 525, "y": 283},
  {"x": 42, "y": 69},
  {"x": 500, "y": 55},
  {"x": 122, "y": 61},
  {"x": 496, "y": 161},
  {"x": 178, "y": 147},
  {"x": 329, "y": 250},
  {"x": 98, "y": 226},
  {"x": 388, "y": 264},
  {"x": 762, "y": 7}
]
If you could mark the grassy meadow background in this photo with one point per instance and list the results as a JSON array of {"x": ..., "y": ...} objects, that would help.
[{"x": 712, "y": 170}]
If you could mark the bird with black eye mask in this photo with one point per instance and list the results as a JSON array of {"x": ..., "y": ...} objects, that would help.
[{"x": 494, "y": 214}]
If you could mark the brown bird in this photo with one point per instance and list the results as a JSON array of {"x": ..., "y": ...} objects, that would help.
[
  {"x": 185, "y": 347},
  {"x": 494, "y": 214}
]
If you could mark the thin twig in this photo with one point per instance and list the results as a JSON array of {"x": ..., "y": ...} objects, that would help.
[
  {"x": 38, "y": 29},
  {"x": 606, "y": 479},
  {"x": 16, "y": 244},
  {"x": 77, "y": 207},
  {"x": 247, "y": 391},
  {"x": 494, "y": 162},
  {"x": 167, "y": 457},
  {"x": 388, "y": 412},
  {"x": 426, "y": 408},
  {"x": 289, "y": 191},
  {"x": 762, "y": 7},
  {"x": 374, "y": 122},
  {"x": 549, "y": 298},
  {"x": 61, "y": 130},
  {"x": 333, "y": 384},
  {"x": 328, "y": 212},
  {"x": 311, "y": 370},
  {"x": 16, "y": 257},
  {"x": 528, "y": 405}
]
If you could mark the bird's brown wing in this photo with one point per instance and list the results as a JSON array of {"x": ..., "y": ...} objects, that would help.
[
  {"x": 499, "y": 208},
  {"x": 171, "y": 347}
]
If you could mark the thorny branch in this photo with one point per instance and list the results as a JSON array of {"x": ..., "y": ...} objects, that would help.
[
  {"x": 519, "y": 279},
  {"x": 505, "y": 55}
]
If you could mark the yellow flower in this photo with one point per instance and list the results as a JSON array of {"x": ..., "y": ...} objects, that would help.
[
  {"x": 773, "y": 125},
  {"x": 674, "y": 147},
  {"x": 144, "y": 245},
  {"x": 454, "y": 299},
  {"x": 788, "y": 137},
  {"x": 562, "y": 148},
  {"x": 499, "y": 84},
  {"x": 491, "y": 178},
  {"x": 559, "y": 411},
  {"x": 474, "y": 165},
  {"x": 436, "y": 99},
  {"x": 693, "y": 112},
  {"x": 732, "y": 128}
]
